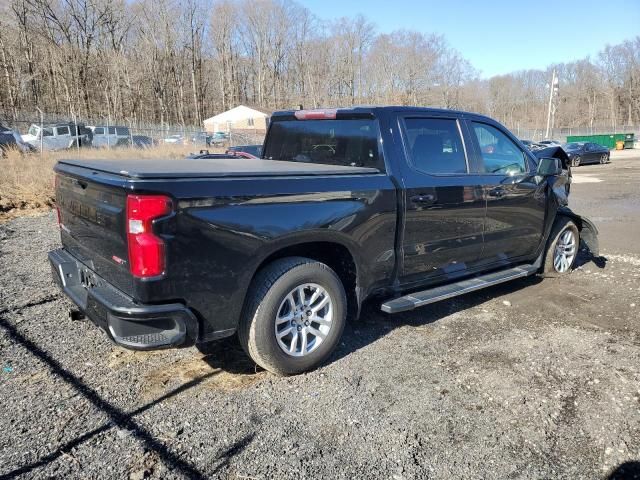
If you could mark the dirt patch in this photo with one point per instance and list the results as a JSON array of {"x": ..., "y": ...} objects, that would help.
[
  {"x": 193, "y": 369},
  {"x": 121, "y": 357}
]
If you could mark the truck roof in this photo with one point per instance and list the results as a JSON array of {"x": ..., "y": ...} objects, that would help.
[
  {"x": 210, "y": 168},
  {"x": 373, "y": 109}
]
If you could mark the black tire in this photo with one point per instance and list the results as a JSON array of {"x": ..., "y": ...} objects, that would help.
[
  {"x": 267, "y": 292},
  {"x": 576, "y": 161},
  {"x": 560, "y": 226},
  {"x": 604, "y": 158}
]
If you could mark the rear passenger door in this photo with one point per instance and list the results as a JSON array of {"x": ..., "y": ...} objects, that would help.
[
  {"x": 122, "y": 135},
  {"x": 63, "y": 137},
  {"x": 112, "y": 137},
  {"x": 98, "y": 137},
  {"x": 516, "y": 196},
  {"x": 445, "y": 208}
]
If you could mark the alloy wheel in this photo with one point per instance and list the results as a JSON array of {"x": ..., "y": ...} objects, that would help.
[
  {"x": 565, "y": 251},
  {"x": 304, "y": 319}
]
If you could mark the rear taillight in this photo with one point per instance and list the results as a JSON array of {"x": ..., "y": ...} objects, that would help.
[
  {"x": 146, "y": 250},
  {"x": 325, "y": 114}
]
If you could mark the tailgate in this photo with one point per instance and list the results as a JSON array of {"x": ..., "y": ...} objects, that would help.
[{"x": 92, "y": 222}]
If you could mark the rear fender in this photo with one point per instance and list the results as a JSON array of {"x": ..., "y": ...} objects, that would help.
[{"x": 588, "y": 231}]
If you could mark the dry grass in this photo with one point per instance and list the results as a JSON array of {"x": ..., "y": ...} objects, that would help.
[{"x": 26, "y": 181}]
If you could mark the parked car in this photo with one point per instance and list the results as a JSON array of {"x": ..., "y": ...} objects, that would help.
[
  {"x": 253, "y": 150},
  {"x": 58, "y": 136},
  {"x": 550, "y": 143},
  {"x": 7, "y": 143},
  {"x": 143, "y": 141},
  {"x": 174, "y": 139},
  {"x": 218, "y": 138},
  {"x": 581, "y": 153},
  {"x": 408, "y": 205},
  {"x": 107, "y": 136},
  {"x": 11, "y": 139},
  {"x": 202, "y": 138}
]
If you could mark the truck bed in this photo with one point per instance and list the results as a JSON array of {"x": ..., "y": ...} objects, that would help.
[{"x": 212, "y": 168}]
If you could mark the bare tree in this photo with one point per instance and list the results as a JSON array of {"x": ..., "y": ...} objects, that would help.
[{"x": 177, "y": 62}]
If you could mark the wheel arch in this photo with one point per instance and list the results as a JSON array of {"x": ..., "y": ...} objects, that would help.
[
  {"x": 336, "y": 254},
  {"x": 587, "y": 229}
]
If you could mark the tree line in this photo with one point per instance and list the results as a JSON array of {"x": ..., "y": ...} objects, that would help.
[{"x": 179, "y": 62}]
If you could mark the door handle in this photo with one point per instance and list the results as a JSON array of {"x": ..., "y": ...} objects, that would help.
[
  {"x": 497, "y": 192},
  {"x": 423, "y": 198}
]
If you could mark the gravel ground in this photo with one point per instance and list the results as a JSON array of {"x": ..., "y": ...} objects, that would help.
[{"x": 534, "y": 379}]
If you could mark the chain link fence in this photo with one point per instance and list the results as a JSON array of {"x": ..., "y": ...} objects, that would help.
[
  {"x": 104, "y": 132},
  {"x": 56, "y": 132}
]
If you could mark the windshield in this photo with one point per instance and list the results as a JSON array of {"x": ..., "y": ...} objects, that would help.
[{"x": 332, "y": 142}]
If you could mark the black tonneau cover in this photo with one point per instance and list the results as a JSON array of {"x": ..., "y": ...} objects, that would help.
[{"x": 212, "y": 168}]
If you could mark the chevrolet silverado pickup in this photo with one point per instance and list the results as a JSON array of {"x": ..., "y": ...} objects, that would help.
[{"x": 407, "y": 205}]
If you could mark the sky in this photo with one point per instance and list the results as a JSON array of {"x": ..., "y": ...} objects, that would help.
[{"x": 502, "y": 36}]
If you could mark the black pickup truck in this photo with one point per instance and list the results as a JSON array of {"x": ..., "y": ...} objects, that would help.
[{"x": 411, "y": 205}]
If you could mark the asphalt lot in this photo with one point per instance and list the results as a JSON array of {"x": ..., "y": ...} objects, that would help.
[{"x": 533, "y": 379}]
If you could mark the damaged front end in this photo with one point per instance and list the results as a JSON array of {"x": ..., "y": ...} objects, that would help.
[
  {"x": 560, "y": 184},
  {"x": 588, "y": 231},
  {"x": 561, "y": 187}
]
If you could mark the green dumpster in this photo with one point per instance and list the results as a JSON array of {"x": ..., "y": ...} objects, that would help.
[{"x": 606, "y": 139}]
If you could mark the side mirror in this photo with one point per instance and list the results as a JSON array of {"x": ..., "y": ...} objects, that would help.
[{"x": 549, "y": 166}]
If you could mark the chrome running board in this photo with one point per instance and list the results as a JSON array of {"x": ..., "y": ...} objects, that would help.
[{"x": 432, "y": 295}]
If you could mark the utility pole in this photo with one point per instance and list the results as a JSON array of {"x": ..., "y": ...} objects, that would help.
[{"x": 551, "y": 111}]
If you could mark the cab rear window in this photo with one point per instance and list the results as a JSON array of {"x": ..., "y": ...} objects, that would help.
[{"x": 352, "y": 142}]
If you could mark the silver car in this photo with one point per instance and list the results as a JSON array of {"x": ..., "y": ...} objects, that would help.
[
  {"x": 56, "y": 137},
  {"x": 110, "y": 136}
]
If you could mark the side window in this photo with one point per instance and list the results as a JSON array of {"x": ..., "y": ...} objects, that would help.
[
  {"x": 112, "y": 130},
  {"x": 98, "y": 131},
  {"x": 352, "y": 142},
  {"x": 47, "y": 132},
  {"x": 435, "y": 145},
  {"x": 500, "y": 154},
  {"x": 122, "y": 131},
  {"x": 62, "y": 130}
]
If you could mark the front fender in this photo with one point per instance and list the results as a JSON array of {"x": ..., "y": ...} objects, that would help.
[{"x": 588, "y": 230}]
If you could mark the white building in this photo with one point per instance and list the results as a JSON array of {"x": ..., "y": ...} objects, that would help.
[{"x": 239, "y": 118}]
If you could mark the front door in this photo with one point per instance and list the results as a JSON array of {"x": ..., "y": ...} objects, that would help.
[
  {"x": 591, "y": 154},
  {"x": 516, "y": 196},
  {"x": 445, "y": 207}
]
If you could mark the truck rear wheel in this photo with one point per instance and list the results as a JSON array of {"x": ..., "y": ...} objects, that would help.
[
  {"x": 562, "y": 248},
  {"x": 294, "y": 315}
]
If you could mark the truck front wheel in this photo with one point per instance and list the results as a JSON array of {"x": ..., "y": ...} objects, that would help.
[
  {"x": 294, "y": 315},
  {"x": 562, "y": 248}
]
